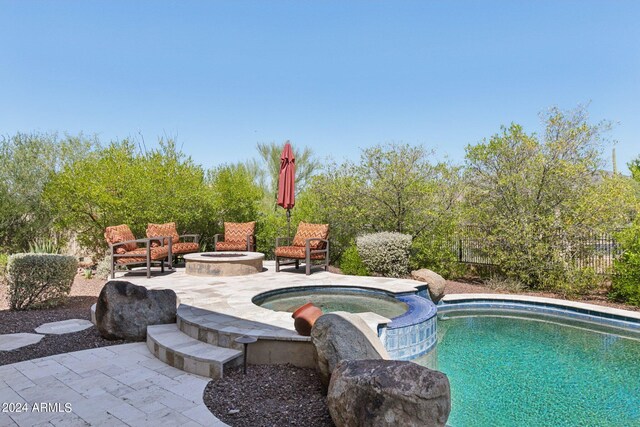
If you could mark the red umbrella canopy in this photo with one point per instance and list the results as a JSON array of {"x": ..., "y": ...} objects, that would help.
[{"x": 287, "y": 180}]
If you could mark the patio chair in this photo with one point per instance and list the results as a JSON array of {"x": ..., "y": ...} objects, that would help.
[
  {"x": 125, "y": 250},
  {"x": 309, "y": 244},
  {"x": 179, "y": 247},
  {"x": 238, "y": 236}
]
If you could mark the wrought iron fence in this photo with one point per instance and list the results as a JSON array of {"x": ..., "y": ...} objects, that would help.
[{"x": 588, "y": 249}]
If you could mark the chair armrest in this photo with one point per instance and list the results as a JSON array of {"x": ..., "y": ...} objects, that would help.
[
  {"x": 161, "y": 239},
  {"x": 145, "y": 241},
  {"x": 195, "y": 237},
  {"x": 278, "y": 239},
  {"x": 307, "y": 244}
]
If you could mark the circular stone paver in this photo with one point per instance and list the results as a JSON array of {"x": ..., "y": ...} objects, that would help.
[
  {"x": 10, "y": 342},
  {"x": 64, "y": 326}
]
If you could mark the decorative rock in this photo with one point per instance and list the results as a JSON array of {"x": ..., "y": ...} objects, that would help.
[
  {"x": 343, "y": 336},
  {"x": 64, "y": 326},
  {"x": 388, "y": 393},
  {"x": 10, "y": 342},
  {"x": 436, "y": 283},
  {"x": 124, "y": 310}
]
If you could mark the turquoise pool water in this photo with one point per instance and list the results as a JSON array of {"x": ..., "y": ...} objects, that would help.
[{"x": 521, "y": 372}]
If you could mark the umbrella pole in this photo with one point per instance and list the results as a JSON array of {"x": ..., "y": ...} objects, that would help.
[{"x": 289, "y": 224}]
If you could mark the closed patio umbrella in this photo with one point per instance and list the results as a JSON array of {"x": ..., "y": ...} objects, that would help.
[{"x": 287, "y": 183}]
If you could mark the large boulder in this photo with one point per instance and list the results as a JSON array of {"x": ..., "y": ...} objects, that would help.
[
  {"x": 124, "y": 310},
  {"x": 343, "y": 336},
  {"x": 435, "y": 282},
  {"x": 388, "y": 393}
]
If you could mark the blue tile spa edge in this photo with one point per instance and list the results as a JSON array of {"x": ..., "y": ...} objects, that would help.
[{"x": 408, "y": 336}]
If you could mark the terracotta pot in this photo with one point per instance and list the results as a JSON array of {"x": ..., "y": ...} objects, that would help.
[{"x": 305, "y": 317}]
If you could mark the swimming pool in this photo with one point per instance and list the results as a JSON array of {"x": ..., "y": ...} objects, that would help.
[{"x": 525, "y": 369}]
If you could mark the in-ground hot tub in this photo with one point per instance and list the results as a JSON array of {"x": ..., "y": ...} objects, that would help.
[
  {"x": 331, "y": 299},
  {"x": 410, "y": 333},
  {"x": 223, "y": 263}
]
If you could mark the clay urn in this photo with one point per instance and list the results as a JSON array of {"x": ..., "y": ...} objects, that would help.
[{"x": 305, "y": 316}]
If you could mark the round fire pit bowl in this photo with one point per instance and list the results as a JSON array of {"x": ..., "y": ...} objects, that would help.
[{"x": 223, "y": 263}]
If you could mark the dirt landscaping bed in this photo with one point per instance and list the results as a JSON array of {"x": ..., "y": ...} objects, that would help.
[
  {"x": 269, "y": 395},
  {"x": 84, "y": 293}
]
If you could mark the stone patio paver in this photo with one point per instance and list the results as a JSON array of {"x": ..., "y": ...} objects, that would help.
[
  {"x": 64, "y": 326},
  {"x": 10, "y": 342},
  {"x": 121, "y": 385},
  {"x": 225, "y": 303}
]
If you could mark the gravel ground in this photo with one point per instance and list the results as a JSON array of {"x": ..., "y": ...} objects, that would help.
[
  {"x": 269, "y": 395},
  {"x": 83, "y": 294}
]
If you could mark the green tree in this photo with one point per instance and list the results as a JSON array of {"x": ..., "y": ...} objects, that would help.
[
  {"x": 530, "y": 197},
  {"x": 394, "y": 187},
  {"x": 625, "y": 284},
  {"x": 634, "y": 168},
  {"x": 236, "y": 197},
  {"x": 27, "y": 163},
  {"x": 266, "y": 169},
  {"x": 120, "y": 184}
]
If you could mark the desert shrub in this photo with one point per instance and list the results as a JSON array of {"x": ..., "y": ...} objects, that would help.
[
  {"x": 435, "y": 250},
  {"x": 44, "y": 246},
  {"x": 271, "y": 224},
  {"x": 502, "y": 283},
  {"x": 39, "y": 279},
  {"x": 3, "y": 267},
  {"x": 3, "y": 262},
  {"x": 351, "y": 263},
  {"x": 385, "y": 253},
  {"x": 625, "y": 284},
  {"x": 578, "y": 281},
  {"x": 103, "y": 268}
]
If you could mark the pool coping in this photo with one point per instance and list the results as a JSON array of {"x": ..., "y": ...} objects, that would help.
[
  {"x": 623, "y": 322},
  {"x": 561, "y": 303}
]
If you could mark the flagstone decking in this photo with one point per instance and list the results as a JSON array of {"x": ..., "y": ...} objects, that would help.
[
  {"x": 126, "y": 385},
  {"x": 214, "y": 311}
]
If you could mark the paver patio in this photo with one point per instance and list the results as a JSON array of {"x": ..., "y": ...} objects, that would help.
[{"x": 123, "y": 385}]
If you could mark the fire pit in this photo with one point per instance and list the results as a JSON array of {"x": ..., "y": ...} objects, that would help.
[
  {"x": 222, "y": 255},
  {"x": 223, "y": 263}
]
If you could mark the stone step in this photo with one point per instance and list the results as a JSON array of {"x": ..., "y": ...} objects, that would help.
[
  {"x": 222, "y": 329},
  {"x": 181, "y": 351}
]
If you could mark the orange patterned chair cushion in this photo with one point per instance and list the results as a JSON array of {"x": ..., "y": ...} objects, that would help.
[
  {"x": 311, "y": 231},
  {"x": 231, "y": 246},
  {"x": 295, "y": 252},
  {"x": 140, "y": 255},
  {"x": 120, "y": 233},
  {"x": 238, "y": 231},
  {"x": 184, "y": 248},
  {"x": 160, "y": 230}
]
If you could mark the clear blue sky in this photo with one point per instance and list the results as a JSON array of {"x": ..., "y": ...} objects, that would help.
[{"x": 333, "y": 75}]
